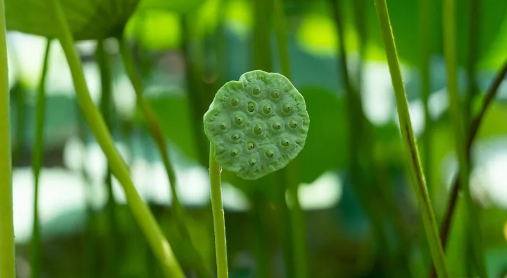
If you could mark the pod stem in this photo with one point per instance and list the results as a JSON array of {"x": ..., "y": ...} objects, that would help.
[
  {"x": 218, "y": 214},
  {"x": 408, "y": 137},
  {"x": 37, "y": 159},
  {"x": 7, "y": 259},
  {"x": 472, "y": 221},
  {"x": 142, "y": 214}
]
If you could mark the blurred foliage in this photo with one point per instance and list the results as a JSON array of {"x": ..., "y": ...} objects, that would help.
[{"x": 185, "y": 51}]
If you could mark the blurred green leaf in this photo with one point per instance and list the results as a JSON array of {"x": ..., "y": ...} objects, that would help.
[
  {"x": 326, "y": 144},
  {"x": 90, "y": 19},
  {"x": 144, "y": 26},
  {"x": 172, "y": 110},
  {"x": 404, "y": 18},
  {"x": 177, "y": 6}
]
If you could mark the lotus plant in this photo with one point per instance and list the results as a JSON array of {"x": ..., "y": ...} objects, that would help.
[{"x": 256, "y": 126}]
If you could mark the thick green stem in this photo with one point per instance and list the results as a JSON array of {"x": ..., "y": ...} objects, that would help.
[
  {"x": 195, "y": 90},
  {"x": 298, "y": 235},
  {"x": 262, "y": 46},
  {"x": 281, "y": 36},
  {"x": 473, "y": 51},
  {"x": 37, "y": 159},
  {"x": 18, "y": 93},
  {"x": 218, "y": 214},
  {"x": 262, "y": 258},
  {"x": 113, "y": 232},
  {"x": 284, "y": 221},
  {"x": 474, "y": 128},
  {"x": 360, "y": 141},
  {"x": 145, "y": 219},
  {"x": 408, "y": 137},
  {"x": 472, "y": 221},
  {"x": 424, "y": 71},
  {"x": 151, "y": 119},
  {"x": 298, "y": 225},
  {"x": 7, "y": 261}
]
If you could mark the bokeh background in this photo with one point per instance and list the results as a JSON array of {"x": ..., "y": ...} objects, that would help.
[{"x": 361, "y": 217}]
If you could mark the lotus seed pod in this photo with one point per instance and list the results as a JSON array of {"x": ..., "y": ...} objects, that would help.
[{"x": 259, "y": 124}]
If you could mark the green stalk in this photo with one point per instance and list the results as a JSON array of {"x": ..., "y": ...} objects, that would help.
[
  {"x": 296, "y": 212},
  {"x": 262, "y": 45},
  {"x": 89, "y": 242},
  {"x": 7, "y": 260},
  {"x": 474, "y": 128},
  {"x": 113, "y": 232},
  {"x": 408, "y": 137},
  {"x": 158, "y": 137},
  {"x": 424, "y": 71},
  {"x": 284, "y": 220},
  {"x": 18, "y": 92},
  {"x": 96, "y": 123},
  {"x": 474, "y": 13},
  {"x": 195, "y": 88},
  {"x": 472, "y": 223},
  {"x": 279, "y": 21},
  {"x": 218, "y": 214},
  {"x": 263, "y": 267},
  {"x": 151, "y": 119},
  {"x": 263, "y": 60},
  {"x": 37, "y": 159}
]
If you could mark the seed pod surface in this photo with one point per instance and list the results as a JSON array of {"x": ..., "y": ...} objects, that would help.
[{"x": 259, "y": 123}]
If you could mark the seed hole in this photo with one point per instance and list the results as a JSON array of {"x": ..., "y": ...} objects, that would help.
[
  {"x": 258, "y": 129},
  {"x": 238, "y": 120},
  {"x": 285, "y": 141},
  {"x": 293, "y": 123},
  {"x": 286, "y": 107},
  {"x": 256, "y": 91},
  {"x": 235, "y": 136},
  {"x": 277, "y": 125},
  {"x": 252, "y": 161},
  {"x": 266, "y": 108},
  {"x": 251, "y": 106},
  {"x": 234, "y": 152},
  {"x": 275, "y": 94},
  {"x": 235, "y": 101},
  {"x": 250, "y": 146},
  {"x": 223, "y": 125}
]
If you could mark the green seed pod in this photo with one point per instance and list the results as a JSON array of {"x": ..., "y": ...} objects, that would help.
[{"x": 260, "y": 123}]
